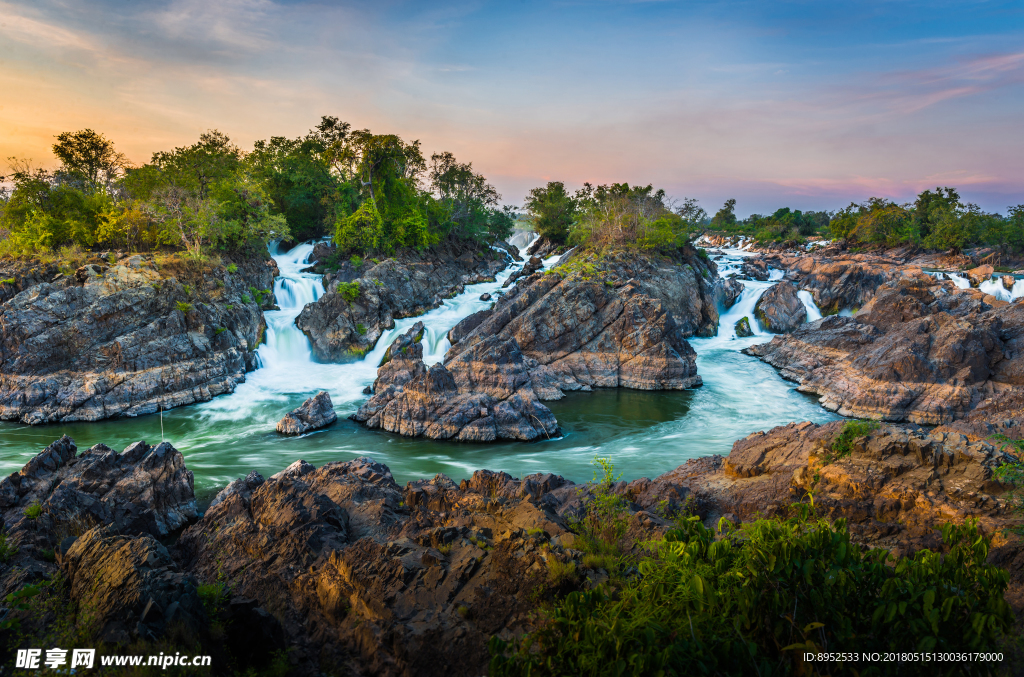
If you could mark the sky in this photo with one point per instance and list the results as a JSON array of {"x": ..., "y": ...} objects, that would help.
[{"x": 810, "y": 105}]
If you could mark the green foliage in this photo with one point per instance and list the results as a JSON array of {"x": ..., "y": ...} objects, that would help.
[
  {"x": 753, "y": 601},
  {"x": 356, "y": 261},
  {"x": 601, "y": 529},
  {"x": 361, "y": 329},
  {"x": 246, "y": 298},
  {"x": 561, "y": 573},
  {"x": 47, "y": 554},
  {"x": 1012, "y": 472},
  {"x": 219, "y": 330},
  {"x": 20, "y": 601},
  {"x": 725, "y": 218},
  {"x": 185, "y": 308},
  {"x": 213, "y": 596},
  {"x": 842, "y": 446},
  {"x": 232, "y": 268},
  {"x": 8, "y": 546},
  {"x": 552, "y": 211},
  {"x": 349, "y": 290},
  {"x": 33, "y": 511},
  {"x": 9, "y": 280}
]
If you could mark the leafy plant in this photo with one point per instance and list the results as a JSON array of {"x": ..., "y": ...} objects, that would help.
[
  {"x": 9, "y": 280},
  {"x": 361, "y": 329},
  {"x": 185, "y": 308},
  {"x": 842, "y": 446},
  {"x": 246, "y": 299},
  {"x": 349, "y": 290},
  {"x": 561, "y": 573},
  {"x": 232, "y": 268},
  {"x": 356, "y": 261},
  {"x": 756, "y": 599},
  {"x": 219, "y": 330},
  {"x": 33, "y": 511}
]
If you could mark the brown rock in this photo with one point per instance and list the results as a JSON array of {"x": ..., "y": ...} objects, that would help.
[
  {"x": 315, "y": 413},
  {"x": 779, "y": 309}
]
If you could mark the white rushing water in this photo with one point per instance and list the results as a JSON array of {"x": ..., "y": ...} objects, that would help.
[{"x": 812, "y": 308}]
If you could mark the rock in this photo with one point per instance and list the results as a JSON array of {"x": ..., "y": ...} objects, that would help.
[
  {"x": 243, "y": 486},
  {"x": 131, "y": 587},
  {"x": 543, "y": 248},
  {"x": 126, "y": 340},
  {"x": 408, "y": 344},
  {"x": 315, "y": 413},
  {"x": 980, "y": 274},
  {"x": 727, "y": 292},
  {"x": 838, "y": 280},
  {"x": 743, "y": 327},
  {"x": 1008, "y": 282},
  {"x": 779, "y": 309},
  {"x": 920, "y": 351},
  {"x": 485, "y": 297},
  {"x": 142, "y": 490},
  {"x": 346, "y": 322},
  {"x": 755, "y": 269},
  {"x": 468, "y": 324},
  {"x": 531, "y": 267}
]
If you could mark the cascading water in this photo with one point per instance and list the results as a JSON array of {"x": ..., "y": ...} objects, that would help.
[
  {"x": 995, "y": 288},
  {"x": 646, "y": 433},
  {"x": 813, "y": 313}
]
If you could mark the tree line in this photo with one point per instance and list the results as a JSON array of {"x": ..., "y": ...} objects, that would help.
[
  {"x": 937, "y": 219},
  {"x": 374, "y": 193}
]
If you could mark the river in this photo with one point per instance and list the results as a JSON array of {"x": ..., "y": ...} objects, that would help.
[{"x": 644, "y": 433}]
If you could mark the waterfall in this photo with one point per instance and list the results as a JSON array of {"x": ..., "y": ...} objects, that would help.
[
  {"x": 812, "y": 308},
  {"x": 995, "y": 288},
  {"x": 293, "y": 289}
]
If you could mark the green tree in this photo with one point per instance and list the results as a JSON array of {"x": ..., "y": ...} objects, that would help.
[
  {"x": 197, "y": 167},
  {"x": 90, "y": 157},
  {"x": 552, "y": 210},
  {"x": 930, "y": 206},
  {"x": 725, "y": 218}
]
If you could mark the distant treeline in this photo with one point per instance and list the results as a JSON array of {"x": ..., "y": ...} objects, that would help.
[
  {"x": 937, "y": 220},
  {"x": 372, "y": 192}
]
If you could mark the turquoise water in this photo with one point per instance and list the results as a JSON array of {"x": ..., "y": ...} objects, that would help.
[{"x": 645, "y": 433}]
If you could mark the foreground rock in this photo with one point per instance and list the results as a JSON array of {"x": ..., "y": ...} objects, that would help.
[
  {"x": 315, "y": 413},
  {"x": 128, "y": 338},
  {"x": 779, "y": 309},
  {"x": 919, "y": 351},
  {"x": 895, "y": 485},
  {"x": 347, "y": 321}
]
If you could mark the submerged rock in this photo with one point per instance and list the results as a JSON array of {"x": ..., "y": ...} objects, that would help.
[
  {"x": 315, "y": 413},
  {"x": 779, "y": 309}
]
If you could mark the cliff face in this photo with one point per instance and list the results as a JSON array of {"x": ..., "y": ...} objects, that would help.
[
  {"x": 347, "y": 321},
  {"x": 125, "y": 338}
]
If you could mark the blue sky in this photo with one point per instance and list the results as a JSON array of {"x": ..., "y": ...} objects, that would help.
[{"x": 803, "y": 104}]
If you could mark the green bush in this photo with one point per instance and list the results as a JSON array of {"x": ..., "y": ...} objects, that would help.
[
  {"x": 185, "y": 308},
  {"x": 219, "y": 330},
  {"x": 33, "y": 511},
  {"x": 753, "y": 601},
  {"x": 349, "y": 290},
  {"x": 246, "y": 298},
  {"x": 843, "y": 445},
  {"x": 232, "y": 268}
]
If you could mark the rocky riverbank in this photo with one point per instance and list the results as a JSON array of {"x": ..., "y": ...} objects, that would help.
[
  {"x": 362, "y": 301},
  {"x": 127, "y": 335},
  {"x": 347, "y": 570}
]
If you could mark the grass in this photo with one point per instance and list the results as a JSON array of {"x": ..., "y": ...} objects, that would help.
[
  {"x": 185, "y": 308},
  {"x": 560, "y": 572},
  {"x": 219, "y": 330},
  {"x": 9, "y": 280},
  {"x": 33, "y": 511},
  {"x": 445, "y": 549}
]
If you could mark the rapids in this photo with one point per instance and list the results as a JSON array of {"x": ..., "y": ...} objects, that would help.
[{"x": 645, "y": 433}]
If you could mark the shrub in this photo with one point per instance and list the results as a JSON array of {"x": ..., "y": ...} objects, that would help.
[
  {"x": 349, "y": 290},
  {"x": 185, "y": 308},
  {"x": 9, "y": 280},
  {"x": 356, "y": 261},
  {"x": 843, "y": 445},
  {"x": 361, "y": 329},
  {"x": 33, "y": 511},
  {"x": 560, "y": 573},
  {"x": 755, "y": 600},
  {"x": 219, "y": 330},
  {"x": 232, "y": 268},
  {"x": 246, "y": 299}
]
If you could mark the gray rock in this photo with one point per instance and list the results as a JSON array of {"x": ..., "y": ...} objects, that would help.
[
  {"x": 315, "y": 413},
  {"x": 779, "y": 309}
]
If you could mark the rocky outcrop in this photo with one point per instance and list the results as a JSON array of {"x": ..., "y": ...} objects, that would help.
[
  {"x": 531, "y": 267},
  {"x": 920, "y": 351},
  {"x": 981, "y": 274},
  {"x": 893, "y": 485},
  {"x": 727, "y": 292},
  {"x": 315, "y": 413},
  {"x": 484, "y": 396},
  {"x": 130, "y": 586},
  {"x": 621, "y": 326},
  {"x": 779, "y": 309},
  {"x": 129, "y": 338},
  {"x": 383, "y": 579},
  {"x": 347, "y": 321},
  {"x": 755, "y": 268},
  {"x": 839, "y": 280},
  {"x": 143, "y": 489},
  {"x": 544, "y": 248}
]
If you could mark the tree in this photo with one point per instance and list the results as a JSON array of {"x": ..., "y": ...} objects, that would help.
[
  {"x": 470, "y": 202},
  {"x": 197, "y": 167},
  {"x": 89, "y": 157},
  {"x": 929, "y": 207},
  {"x": 725, "y": 217},
  {"x": 552, "y": 210}
]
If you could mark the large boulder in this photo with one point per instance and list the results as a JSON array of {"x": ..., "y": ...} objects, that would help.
[
  {"x": 755, "y": 268},
  {"x": 779, "y": 309},
  {"x": 315, "y": 413},
  {"x": 727, "y": 292}
]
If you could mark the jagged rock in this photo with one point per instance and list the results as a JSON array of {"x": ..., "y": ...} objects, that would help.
[
  {"x": 315, "y": 413},
  {"x": 743, "y": 327},
  {"x": 921, "y": 351},
  {"x": 143, "y": 489},
  {"x": 126, "y": 340},
  {"x": 531, "y": 267},
  {"x": 243, "y": 485},
  {"x": 408, "y": 344},
  {"x": 346, "y": 322},
  {"x": 543, "y": 248},
  {"x": 755, "y": 269},
  {"x": 485, "y": 297},
  {"x": 727, "y": 292},
  {"x": 838, "y": 280},
  {"x": 980, "y": 274},
  {"x": 779, "y": 309},
  {"x": 468, "y": 324},
  {"x": 131, "y": 587},
  {"x": 1008, "y": 282}
]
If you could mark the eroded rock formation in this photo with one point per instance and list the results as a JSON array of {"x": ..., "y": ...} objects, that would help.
[
  {"x": 779, "y": 309},
  {"x": 315, "y": 413}
]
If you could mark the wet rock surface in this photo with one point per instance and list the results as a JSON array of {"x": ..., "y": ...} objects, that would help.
[
  {"x": 920, "y": 351},
  {"x": 779, "y": 309},
  {"x": 346, "y": 322},
  {"x": 315, "y": 413},
  {"x": 127, "y": 338}
]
